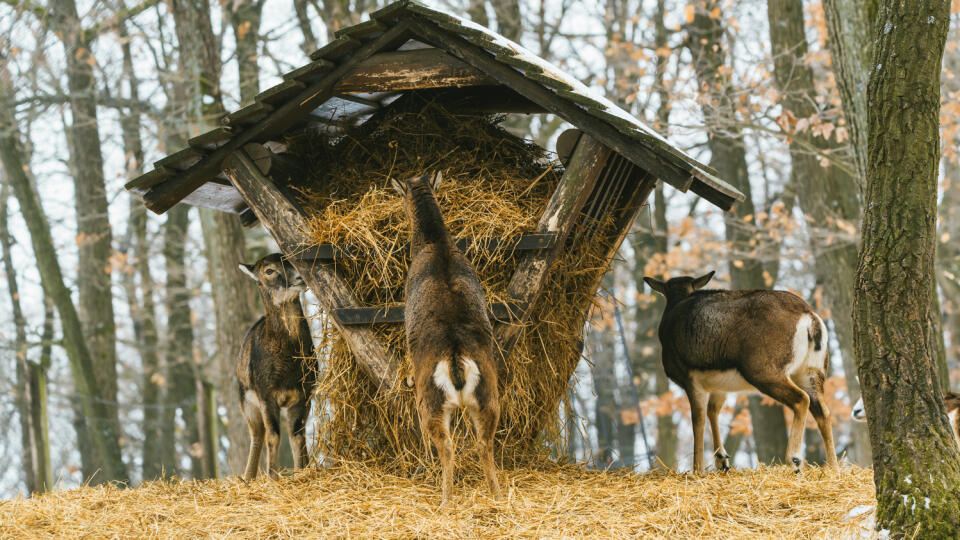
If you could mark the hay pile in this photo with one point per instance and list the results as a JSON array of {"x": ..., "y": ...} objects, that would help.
[
  {"x": 564, "y": 502},
  {"x": 495, "y": 186}
]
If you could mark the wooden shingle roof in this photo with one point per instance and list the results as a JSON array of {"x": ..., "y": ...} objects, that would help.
[{"x": 361, "y": 71}]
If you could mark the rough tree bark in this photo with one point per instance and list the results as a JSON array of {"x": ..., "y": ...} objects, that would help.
[
  {"x": 728, "y": 157},
  {"x": 916, "y": 461},
  {"x": 94, "y": 236},
  {"x": 827, "y": 193}
]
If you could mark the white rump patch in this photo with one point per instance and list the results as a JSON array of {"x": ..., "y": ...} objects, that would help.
[
  {"x": 952, "y": 415},
  {"x": 471, "y": 376},
  {"x": 805, "y": 355},
  {"x": 716, "y": 380}
]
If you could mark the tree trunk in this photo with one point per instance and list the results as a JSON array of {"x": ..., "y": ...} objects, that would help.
[
  {"x": 477, "y": 12},
  {"x": 22, "y": 391},
  {"x": 233, "y": 294},
  {"x": 103, "y": 435},
  {"x": 180, "y": 379},
  {"x": 303, "y": 21},
  {"x": 245, "y": 19},
  {"x": 828, "y": 194},
  {"x": 728, "y": 157},
  {"x": 849, "y": 41},
  {"x": 142, "y": 311},
  {"x": 93, "y": 227},
  {"x": 509, "y": 19},
  {"x": 916, "y": 460}
]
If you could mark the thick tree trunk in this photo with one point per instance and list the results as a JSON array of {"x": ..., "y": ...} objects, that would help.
[
  {"x": 916, "y": 461},
  {"x": 728, "y": 156},
  {"x": 828, "y": 194},
  {"x": 103, "y": 435},
  {"x": 94, "y": 236}
]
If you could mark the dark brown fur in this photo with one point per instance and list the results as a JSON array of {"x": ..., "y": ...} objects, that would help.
[
  {"x": 717, "y": 341},
  {"x": 276, "y": 368},
  {"x": 447, "y": 323}
]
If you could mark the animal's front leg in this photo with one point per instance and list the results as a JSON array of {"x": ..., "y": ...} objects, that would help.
[{"x": 297, "y": 431}]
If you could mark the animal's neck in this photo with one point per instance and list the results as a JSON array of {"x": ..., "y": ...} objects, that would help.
[
  {"x": 427, "y": 226},
  {"x": 284, "y": 316}
]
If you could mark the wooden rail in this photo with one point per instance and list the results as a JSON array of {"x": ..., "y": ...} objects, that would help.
[
  {"x": 523, "y": 242},
  {"x": 499, "y": 312}
]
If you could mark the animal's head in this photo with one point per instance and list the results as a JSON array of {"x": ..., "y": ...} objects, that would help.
[
  {"x": 278, "y": 280},
  {"x": 678, "y": 288},
  {"x": 424, "y": 184}
]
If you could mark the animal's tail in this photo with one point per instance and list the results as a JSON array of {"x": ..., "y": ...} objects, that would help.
[
  {"x": 817, "y": 354},
  {"x": 816, "y": 334}
]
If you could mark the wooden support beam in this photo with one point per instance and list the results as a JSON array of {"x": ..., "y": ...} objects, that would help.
[
  {"x": 162, "y": 196},
  {"x": 500, "y": 312},
  {"x": 410, "y": 70},
  {"x": 561, "y": 213},
  {"x": 286, "y": 223},
  {"x": 524, "y": 242}
]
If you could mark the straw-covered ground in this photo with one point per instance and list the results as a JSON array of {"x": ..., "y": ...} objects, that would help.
[{"x": 566, "y": 501}]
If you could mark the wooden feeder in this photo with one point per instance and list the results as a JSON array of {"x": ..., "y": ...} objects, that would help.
[{"x": 612, "y": 161}]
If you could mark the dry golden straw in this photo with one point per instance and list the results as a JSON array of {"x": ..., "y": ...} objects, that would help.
[
  {"x": 495, "y": 187},
  {"x": 357, "y": 501}
]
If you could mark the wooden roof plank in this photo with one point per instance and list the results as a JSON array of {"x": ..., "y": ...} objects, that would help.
[
  {"x": 336, "y": 48},
  {"x": 181, "y": 159},
  {"x": 163, "y": 196},
  {"x": 411, "y": 70},
  {"x": 250, "y": 114},
  {"x": 310, "y": 71},
  {"x": 364, "y": 30},
  {"x": 281, "y": 92},
  {"x": 211, "y": 139}
]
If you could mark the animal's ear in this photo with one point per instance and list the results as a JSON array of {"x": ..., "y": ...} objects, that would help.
[
  {"x": 398, "y": 187},
  {"x": 248, "y": 269},
  {"x": 656, "y": 285},
  {"x": 437, "y": 178},
  {"x": 702, "y": 281}
]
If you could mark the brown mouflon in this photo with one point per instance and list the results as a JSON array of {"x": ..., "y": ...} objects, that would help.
[
  {"x": 449, "y": 336},
  {"x": 715, "y": 341},
  {"x": 276, "y": 369}
]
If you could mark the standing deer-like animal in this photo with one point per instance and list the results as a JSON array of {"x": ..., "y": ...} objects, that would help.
[
  {"x": 951, "y": 400},
  {"x": 716, "y": 341},
  {"x": 449, "y": 336},
  {"x": 276, "y": 368}
]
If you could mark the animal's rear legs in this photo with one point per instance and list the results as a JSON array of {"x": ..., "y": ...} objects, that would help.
[
  {"x": 720, "y": 456},
  {"x": 437, "y": 427},
  {"x": 485, "y": 424}
]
